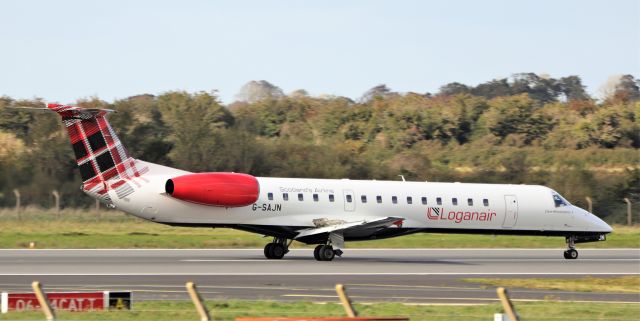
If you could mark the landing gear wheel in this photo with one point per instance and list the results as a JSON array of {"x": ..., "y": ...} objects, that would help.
[
  {"x": 326, "y": 253},
  {"x": 267, "y": 250},
  {"x": 316, "y": 252},
  {"x": 276, "y": 251},
  {"x": 571, "y": 254}
]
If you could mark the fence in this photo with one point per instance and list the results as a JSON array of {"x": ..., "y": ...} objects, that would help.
[
  {"x": 204, "y": 314},
  {"x": 336, "y": 308}
]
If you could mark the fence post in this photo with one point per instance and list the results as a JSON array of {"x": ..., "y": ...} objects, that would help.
[
  {"x": 16, "y": 192},
  {"x": 507, "y": 305},
  {"x": 197, "y": 301},
  {"x": 628, "y": 211},
  {"x": 589, "y": 204},
  {"x": 44, "y": 302},
  {"x": 98, "y": 209},
  {"x": 346, "y": 302},
  {"x": 56, "y": 196}
]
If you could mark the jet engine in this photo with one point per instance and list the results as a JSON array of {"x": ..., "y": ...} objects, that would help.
[{"x": 215, "y": 189}]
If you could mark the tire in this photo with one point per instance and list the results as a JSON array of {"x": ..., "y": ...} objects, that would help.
[
  {"x": 316, "y": 252},
  {"x": 326, "y": 253},
  {"x": 267, "y": 250},
  {"x": 566, "y": 255},
  {"x": 573, "y": 254},
  {"x": 277, "y": 251}
]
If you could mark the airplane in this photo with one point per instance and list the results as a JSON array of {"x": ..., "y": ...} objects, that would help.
[{"x": 326, "y": 212}]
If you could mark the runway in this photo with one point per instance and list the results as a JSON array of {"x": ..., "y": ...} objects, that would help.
[{"x": 371, "y": 275}]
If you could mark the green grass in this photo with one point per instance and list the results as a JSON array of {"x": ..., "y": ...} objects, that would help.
[
  {"x": 84, "y": 229},
  {"x": 229, "y": 310},
  {"x": 623, "y": 284}
]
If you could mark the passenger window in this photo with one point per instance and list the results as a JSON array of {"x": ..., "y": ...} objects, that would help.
[
  {"x": 315, "y": 197},
  {"x": 409, "y": 200},
  {"x": 454, "y": 201},
  {"x": 439, "y": 201},
  {"x": 363, "y": 198},
  {"x": 285, "y": 196},
  {"x": 331, "y": 198},
  {"x": 349, "y": 198},
  {"x": 485, "y": 202},
  {"x": 424, "y": 200},
  {"x": 394, "y": 199},
  {"x": 379, "y": 199},
  {"x": 270, "y": 196},
  {"x": 470, "y": 201},
  {"x": 300, "y": 197}
]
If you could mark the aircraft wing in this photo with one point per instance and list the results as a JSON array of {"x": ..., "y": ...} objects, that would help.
[{"x": 374, "y": 225}]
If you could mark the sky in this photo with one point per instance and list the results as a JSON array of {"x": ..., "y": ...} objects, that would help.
[{"x": 64, "y": 50}]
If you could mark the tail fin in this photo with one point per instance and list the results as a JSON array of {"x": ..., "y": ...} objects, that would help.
[{"x": 103, "y": 161}]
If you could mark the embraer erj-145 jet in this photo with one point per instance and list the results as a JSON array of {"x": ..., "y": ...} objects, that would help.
[{"x": 327, "y": 212}]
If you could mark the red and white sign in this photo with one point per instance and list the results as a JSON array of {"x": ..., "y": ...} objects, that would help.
[{"x": 69, "y": 301}]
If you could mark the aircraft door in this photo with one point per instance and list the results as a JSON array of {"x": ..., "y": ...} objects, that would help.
[
  {"x": 511, "y": 211},
  {"x": 349, "y": 200}
]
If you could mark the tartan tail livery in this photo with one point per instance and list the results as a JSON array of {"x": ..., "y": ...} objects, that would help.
[{"x": 104, "y": 162}]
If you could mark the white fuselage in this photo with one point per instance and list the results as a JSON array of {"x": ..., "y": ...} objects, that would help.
[{"x": 425, "y": 206}]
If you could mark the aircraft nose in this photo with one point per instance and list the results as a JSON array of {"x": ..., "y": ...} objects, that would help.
[
  {"x": 599, "y": 225},
  {"x": 603, "y": 225},
  {"x": 593, "y": 222}
]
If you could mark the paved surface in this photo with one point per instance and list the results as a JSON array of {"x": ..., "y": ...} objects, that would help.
[{"x": 416, "y": 276}]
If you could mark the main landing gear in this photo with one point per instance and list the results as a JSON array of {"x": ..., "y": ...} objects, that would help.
[
  {"x": 325, "y": 252},
  {"x": 571, "y": 253},
  {"x": 276, "y": 249},
  {"x": 279, "y": 247}
]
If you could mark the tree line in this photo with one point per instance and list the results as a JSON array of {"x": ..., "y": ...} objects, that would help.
[{"x": 527, "y": 128}]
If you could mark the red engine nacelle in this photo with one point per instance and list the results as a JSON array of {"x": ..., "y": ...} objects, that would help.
[{"x": 215, "y": 189}]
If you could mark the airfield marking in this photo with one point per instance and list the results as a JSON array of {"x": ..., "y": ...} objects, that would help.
[
  {"x": 347, "y": 260},
  {"x": 462, "y": 299},
  {"x": 234, "y": 260},
  {"x": 350, "y": 249},
  {"x": 319, "y": 273}
]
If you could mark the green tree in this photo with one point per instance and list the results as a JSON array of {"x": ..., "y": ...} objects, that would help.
[
  {"x": 195, "y": 122},
  {"x": 517, "y": 115},
  {"x": 454, "y": 88},
  {"x": 572, "y": 88},
  {"x": 627, "y": 89}
]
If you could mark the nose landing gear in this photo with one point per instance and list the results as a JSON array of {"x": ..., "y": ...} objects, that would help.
[
  {"x": 571, "y": 253},
  {"x": 276, "y": 249}
]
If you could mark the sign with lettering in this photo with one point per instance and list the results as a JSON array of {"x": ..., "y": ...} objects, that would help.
[{"x": 67, "y": 301}]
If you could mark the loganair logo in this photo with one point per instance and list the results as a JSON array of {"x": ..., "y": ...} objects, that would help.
[
  {"x": 438, "y": 213},
  {"x": 433, "y": 213}
]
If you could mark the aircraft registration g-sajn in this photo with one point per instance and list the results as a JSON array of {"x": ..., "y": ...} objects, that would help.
[{"x": 326, "y": 212}]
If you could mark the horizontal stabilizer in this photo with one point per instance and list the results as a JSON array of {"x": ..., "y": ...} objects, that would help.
[
  {"x": 30, "y": 108},
  {"x": 73, "y": 110},
  {"x": 70, "y": 109}
]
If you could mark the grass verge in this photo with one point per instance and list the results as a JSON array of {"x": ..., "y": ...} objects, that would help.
[
  {"x": 111, "y": 229},
  {"x": 229, "y": 310},
  {"x": 622, "y": 284}
]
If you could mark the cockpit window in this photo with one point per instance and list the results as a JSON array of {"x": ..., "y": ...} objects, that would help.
[{"x": 559, "y": 201}]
